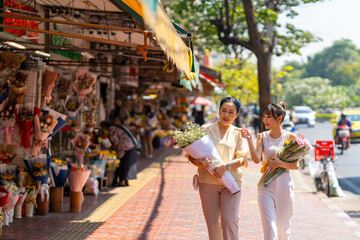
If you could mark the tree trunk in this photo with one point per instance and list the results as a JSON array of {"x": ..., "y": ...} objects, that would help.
[{"x": 264, "y": 81}]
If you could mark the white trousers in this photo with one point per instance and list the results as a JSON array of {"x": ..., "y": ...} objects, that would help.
[
  {"x": 276, "y": 202},
  {"x": 221, "y": 211}
]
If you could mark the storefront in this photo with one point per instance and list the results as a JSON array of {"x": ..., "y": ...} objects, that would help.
[{"x": 63, "y": 70}]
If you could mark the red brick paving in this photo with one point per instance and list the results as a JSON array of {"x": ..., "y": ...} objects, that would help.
[{"x": 168, "y": 208}]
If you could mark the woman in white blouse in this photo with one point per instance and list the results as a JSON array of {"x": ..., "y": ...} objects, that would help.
[{"x": 276, "y": 200}]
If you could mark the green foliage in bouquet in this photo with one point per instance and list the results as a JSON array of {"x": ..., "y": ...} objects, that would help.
[{"x": 192, "y": 133}]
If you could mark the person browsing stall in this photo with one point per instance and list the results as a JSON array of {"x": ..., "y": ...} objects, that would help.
[{"x": 220, "y": 207}]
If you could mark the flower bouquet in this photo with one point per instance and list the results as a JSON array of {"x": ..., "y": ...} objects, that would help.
[
  {"x": 22, "y": 197},
  {"x": 77, "y": 177},
  {"x": 40, "y": 172},
  {"x": 83, "y": 84},
  {"x": 8, "y": 181},
  {"x": 81, "y": 142},
  {"x": 60, "y": 118},
  {"x": 197, "y": 144},
  {"x": 4, "y": 95},
  {"x": 39, "y": 168},
  {"x": 48, "y": 82},
  {"x": 10, "y": 60},
  {"x": 32, "y": 192},
  {"x": 63, "y": 86},
  {"x": 91, "y": 101},
  {"x": 7, "y": 153},
  {"x": 17, "y": 82},
  {"x": 71, "y": 106},
  {"x": 25, "y": 121},
  {"x": 89, "y": 116},
  {"x": 3, "y": 200},
  {"x": 7, "y": 122},
  {"x": 43, "y": 127},
  {"x": 290, "y": 152},
  {"x": 59, "y": 172}
]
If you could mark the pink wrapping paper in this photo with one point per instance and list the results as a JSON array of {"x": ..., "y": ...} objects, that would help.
[
  {"x": 47, "y": 86},
  {"x": 11, "y": 202},
  {"x": 8, "y": 129},
  {"x": 40, "y": 138},
  {"x": 84, "y": 139},
  {"x": 82, "y": 93},
  {"x": 78, "y": 178}
]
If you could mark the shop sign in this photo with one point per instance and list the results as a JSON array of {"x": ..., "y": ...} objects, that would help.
[
  {"x": 61, "y": 41},
  {"x": 14, "y": 4}
]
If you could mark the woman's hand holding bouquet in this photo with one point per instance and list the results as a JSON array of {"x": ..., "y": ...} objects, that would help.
[
  {"x": 292, "y": 151},
  {"x": 199, "y": 146}
]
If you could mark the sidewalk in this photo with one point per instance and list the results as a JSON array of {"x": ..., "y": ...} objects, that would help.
[{"x": 161, "y": 204}]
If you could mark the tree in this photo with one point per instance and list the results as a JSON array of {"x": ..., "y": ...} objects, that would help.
[
  {"x": 240, "y": 79},
  {"x": 316, "y": 92},
  {"x": 250, "y": 25},
  {"x": 339, "y": 63}
]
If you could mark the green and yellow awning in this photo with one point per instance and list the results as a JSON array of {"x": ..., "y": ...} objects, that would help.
[{"x": 152, "y": 14}]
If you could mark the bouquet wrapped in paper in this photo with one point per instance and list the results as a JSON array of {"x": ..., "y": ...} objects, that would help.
[
  {"x": 81, "y": 142},
  {"x": 4, "y": 95},
  {"x": 60, "y": 118},
  {"x": 59, "y": 172},
  {"x": 8, "y": 181},
  {"x": 31, "y": 194},
  {"x": 197, "y": 144},
  {"x": 63, "y": 86},
  {"x": 22, "y": 196},
  {"x": 3, "y": 196},
  {"x": 43, "y": 127},
  {"x": 89, "y": 116},
  {"x": 71, "y": 106},
  {"x": 39, "y": 168},
  {"x": 78, "y": 177},
  {"x": 48, "y": 83},
  {"x": 83, "y": 84},
  {"x": 25, "y": 121},
  {"x": 7, "y": 123},
  {"x": 91, "y": 101},
  {"x": 7, "y": 153},
  {"x": 291, "y": 152},
  {"x": 17, "y": 82},
  {"x": 10, "y": 60}
]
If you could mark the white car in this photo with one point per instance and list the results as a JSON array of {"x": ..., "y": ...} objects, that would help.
[{"x": 305, "y": 114}]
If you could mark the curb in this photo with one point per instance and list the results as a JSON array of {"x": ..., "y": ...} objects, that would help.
[{"x": 345, "y": 218}]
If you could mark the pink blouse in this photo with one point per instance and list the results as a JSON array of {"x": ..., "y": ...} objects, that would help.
[{"x": 121, "y": 139}]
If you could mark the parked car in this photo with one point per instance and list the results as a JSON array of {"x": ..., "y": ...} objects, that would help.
[
  {"x": 304, "y": 114},
  {"x": 354, "y": 116}
]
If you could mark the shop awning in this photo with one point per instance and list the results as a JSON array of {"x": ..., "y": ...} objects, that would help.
[
  {"x": 211, "y": 80},
  {"x": 152, "y": 14}
]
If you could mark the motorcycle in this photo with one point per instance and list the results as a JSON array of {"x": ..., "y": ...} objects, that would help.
[{"x": 343, "y": 138}]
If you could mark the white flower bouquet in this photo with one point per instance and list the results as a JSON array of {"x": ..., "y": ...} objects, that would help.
[{"x": 197, "y": 144}]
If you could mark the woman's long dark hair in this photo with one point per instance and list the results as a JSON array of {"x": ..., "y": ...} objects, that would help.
[
  {"x": 233, "y": 100},
  {"x": 275, "y": 110}
]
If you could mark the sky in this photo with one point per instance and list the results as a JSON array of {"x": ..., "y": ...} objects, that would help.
[{"x": 329, "y": 20}]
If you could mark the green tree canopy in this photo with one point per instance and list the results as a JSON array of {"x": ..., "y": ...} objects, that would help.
[
  {"x": 241, "y": 80},
  {"x": 316, "y": 92},
  {"x": 339, "y": 63}
]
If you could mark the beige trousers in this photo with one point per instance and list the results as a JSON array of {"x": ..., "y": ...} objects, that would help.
[
  {"x": 221, "y": 211},
  {"x": 276, "y": 202}
]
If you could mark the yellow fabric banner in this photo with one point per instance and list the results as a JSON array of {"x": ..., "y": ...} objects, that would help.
[{"x": 167, "y": 37}]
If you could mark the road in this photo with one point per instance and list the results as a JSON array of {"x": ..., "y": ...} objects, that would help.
[{"x": 347, "y": 168}]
